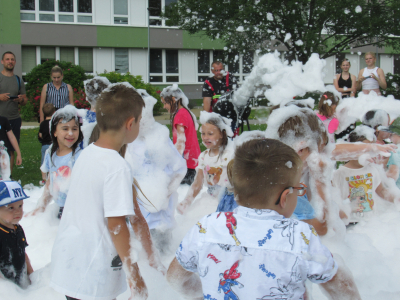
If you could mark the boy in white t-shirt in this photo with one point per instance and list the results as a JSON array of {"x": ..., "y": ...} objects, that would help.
[
  {"x": 91, "y": 253},
  {"x": 257, "y": 251},
  {"x": 360, "y": 183}
]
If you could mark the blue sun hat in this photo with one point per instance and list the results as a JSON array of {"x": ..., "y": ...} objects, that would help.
[{"x": 10, "y": 192}]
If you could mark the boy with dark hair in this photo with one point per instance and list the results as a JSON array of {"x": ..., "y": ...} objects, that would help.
[
  {"x": 92, "y": 248},
  {"x": 257, "y": 251},
  {"x": 14, "y": 262},
  {"x": 44, "y": 134}
]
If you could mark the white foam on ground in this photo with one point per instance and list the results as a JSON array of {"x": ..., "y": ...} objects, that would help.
[{"x": 370, "y": 250}]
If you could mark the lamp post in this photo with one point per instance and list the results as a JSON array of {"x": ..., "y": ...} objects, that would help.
[{"x": 148, "y": 44}]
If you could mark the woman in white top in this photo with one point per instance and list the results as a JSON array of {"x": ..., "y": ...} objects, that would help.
[{"x": 371, "y": 78}]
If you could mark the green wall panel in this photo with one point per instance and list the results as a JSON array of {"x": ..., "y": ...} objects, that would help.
[
  {"x": 116, "y": 36},
  {"x": 10, "y": 22},
  {"x": 200, "y": 41}
]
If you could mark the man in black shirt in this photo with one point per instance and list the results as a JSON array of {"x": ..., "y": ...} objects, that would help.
[{"x": 216, "y": 86}]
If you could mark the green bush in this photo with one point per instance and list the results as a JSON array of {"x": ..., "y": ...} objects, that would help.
[
  {"x": 40, "y": 75},
  {"x": 137, "y": 83},
  {"x": 393, "y": 85},
  {"x": 27, "y": 112}
]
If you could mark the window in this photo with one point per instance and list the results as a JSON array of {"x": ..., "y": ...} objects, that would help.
[
  {"x": 238, "y": 65},
  {"x": 67, "y": 54},
  {"x": 164, "y": 65},
  {"x": 121, "y": 12},
  {"x": 86, "y": 59},
  {"x": 28, "y": 58},
  {"x": 121, "y": 60},
  {"x": 396, "y": 64},
  {"x": 47, "y": 53},
  {"x": 155, "y": 9},
  {"x": 66, "y": 11}
]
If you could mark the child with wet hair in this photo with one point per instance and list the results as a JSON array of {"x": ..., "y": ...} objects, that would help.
[
  {"x": 212, "y": 163},
  {"x": 184, "y": 127},
  {"x": 326, "y": 112},
  {"x": 234, "y": 252},
  {"x": 302, "y": 130},
  {"x": 93, "y": 88},
  {"x": 60, "y": 158},
  {"x": 360, "y": 183}
]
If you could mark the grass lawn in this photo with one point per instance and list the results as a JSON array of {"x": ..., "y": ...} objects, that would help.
[
  {"x": 30, "y": 147},
  {"x": 29, "y": 171}
]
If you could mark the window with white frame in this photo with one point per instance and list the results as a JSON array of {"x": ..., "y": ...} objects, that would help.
[
  {"x": 237, "y": 65},
  {"x": 164, "y": 65},
  {"x": 63, "y": 11},
  {"x": 86, "y": 59},
  {"x": 121, "y": 60},
  {"x": 121, "y": 12},
  {"x": 155, "y": 9},
  {"x": 34, "y": 55},
  {"x": 28, "y": 58}
]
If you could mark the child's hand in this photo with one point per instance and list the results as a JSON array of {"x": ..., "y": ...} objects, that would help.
[
  {"x": 154, "y": 262},
  {"x": 183, "y": 206},
  {"x": 138, "y": 289},
  {"x": 19, "y": 160}
]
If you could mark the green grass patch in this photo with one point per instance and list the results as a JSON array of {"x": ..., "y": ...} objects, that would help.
[{"x": 29, "y": 171}]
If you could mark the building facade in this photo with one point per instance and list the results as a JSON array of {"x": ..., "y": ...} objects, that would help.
[{"x": 113, "y": 35}]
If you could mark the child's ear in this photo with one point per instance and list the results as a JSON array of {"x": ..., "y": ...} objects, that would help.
[
  {"x": 130, "y": 122},
  {"x": 283, "y": 201}
]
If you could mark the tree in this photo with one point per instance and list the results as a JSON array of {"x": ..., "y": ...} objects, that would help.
[{"x": 302, "y": 26}]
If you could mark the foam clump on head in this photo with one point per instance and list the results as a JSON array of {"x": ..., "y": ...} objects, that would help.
[
  {"x": 297, "y": 127},
  {"x": 221, "y": 122},
  {"x": 147, "y": 113},
  {"x": 176, "y": 92},
  {"x": 375, "y": 118},
  {"x": 66, "y": 114},
  {"x": 365, "y": 131},
  {"x": 94, "y": 87}
]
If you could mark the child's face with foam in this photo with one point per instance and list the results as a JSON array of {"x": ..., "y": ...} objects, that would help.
[
  {"x": 67, "y": 134},
  {"x": 211, "y": 136},
  {"x": 11, "y": 214}
]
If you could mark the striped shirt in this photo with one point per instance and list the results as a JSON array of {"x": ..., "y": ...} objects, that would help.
[{"x": 59, "y": 98}]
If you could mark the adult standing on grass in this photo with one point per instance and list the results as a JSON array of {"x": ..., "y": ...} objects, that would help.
[
  {"x": 371, "y": 78},
  {"x": 56, "y": 92},
  {"x": 12, "y": 94}
]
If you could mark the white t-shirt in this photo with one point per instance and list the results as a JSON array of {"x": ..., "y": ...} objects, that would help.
[
  {"x": 254, "y": 254},
  {"x": 84, "y": 262},
  {"x": 358, "y": 185},
  {"x": 215, "y": 170}
]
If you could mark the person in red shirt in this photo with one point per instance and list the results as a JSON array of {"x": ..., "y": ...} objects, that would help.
[{"x": 184, "y": 127}]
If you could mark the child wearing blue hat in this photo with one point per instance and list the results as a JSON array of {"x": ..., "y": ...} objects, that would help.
[{"x": 14, "y": 262}]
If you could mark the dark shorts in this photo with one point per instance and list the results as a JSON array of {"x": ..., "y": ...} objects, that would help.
[
  {"x": 189, "y": 177},
  {"x": 16, "y": 129}
]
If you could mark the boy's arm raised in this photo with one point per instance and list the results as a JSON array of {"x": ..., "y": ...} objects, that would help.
[
  {"x": 184, "y": 282},
  {"x": 120, "y": 236}
]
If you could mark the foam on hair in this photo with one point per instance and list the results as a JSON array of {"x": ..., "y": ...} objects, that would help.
[{"x": 116, "y": 104}]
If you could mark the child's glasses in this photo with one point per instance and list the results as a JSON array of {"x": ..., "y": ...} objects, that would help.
[{"x": 301, "y": 191}]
